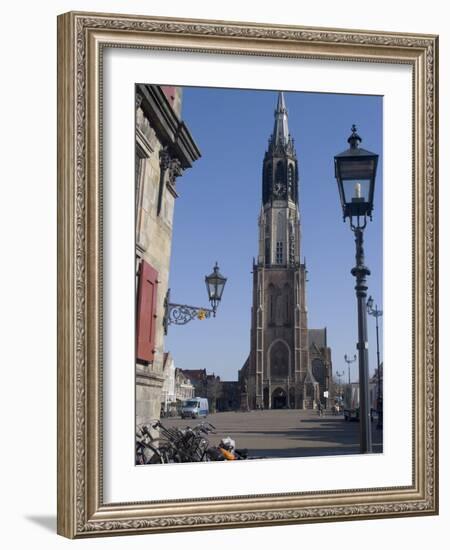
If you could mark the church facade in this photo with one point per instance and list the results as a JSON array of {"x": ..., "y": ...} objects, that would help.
[{"x": 278, "y": 372}]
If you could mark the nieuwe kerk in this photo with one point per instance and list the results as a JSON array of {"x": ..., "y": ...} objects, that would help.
[{"x": 289, "y": 365}]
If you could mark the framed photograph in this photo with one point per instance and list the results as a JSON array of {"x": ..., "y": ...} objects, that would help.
[{"x": 247, "y": 274}]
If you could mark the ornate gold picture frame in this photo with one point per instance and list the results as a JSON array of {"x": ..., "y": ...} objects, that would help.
[{"x": 82, "y": 40}]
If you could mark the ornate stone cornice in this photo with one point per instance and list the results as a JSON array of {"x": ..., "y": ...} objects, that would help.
[{"x": 172, "y": 132}]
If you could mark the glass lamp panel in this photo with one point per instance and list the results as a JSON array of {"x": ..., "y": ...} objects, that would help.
[
  {"x": 356, "y": 190},
  {"x": 357, "y": 168},
  {"x": 210, "y": 285},
  {"x": 219, "y": 288}
]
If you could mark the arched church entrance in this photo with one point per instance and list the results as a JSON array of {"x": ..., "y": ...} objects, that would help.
[{"x": 279, "y": 399}]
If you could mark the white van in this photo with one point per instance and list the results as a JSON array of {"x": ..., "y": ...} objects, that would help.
[{"x": 195, "y": 407}]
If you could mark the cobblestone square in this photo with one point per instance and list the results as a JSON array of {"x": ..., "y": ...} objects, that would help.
[{"x": 286, "y": 433}]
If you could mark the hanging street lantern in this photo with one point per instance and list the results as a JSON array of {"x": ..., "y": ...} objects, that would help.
[
  {"x": 181, "y": 314},
  {"x": 215, "y": 283},
  {"x": 355, "y": 171}
]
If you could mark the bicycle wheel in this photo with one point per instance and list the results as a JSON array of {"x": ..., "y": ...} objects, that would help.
[
  {"x": 156, "y": 458},
  {"x": 161, "y": 452},
  {"x": 150, "y": 453}
]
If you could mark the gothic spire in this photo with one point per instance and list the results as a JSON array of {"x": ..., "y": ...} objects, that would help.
[
  {"x": 280, "y": 134},
  {"x": 280, "y": 174},
  {"x": 281, "y": 141}
]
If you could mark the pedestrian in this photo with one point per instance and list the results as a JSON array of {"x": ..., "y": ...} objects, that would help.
[{"x": 319, "y": 406}]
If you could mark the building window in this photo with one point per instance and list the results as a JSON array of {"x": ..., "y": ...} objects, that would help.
[{"x": 279, "y": 253}]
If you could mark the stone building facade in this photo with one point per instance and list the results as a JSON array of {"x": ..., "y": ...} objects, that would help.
[
  {"x": 176, "y": 387},
  {"x": 164, "y": 149},
  {"x": 184, "y": 389},
  {"x": 278, "y": 372}
]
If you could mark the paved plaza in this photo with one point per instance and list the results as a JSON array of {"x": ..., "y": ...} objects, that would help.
[{"x": 286, "y": 432}]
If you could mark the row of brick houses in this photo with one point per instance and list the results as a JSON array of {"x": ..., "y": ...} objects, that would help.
[{"x": 221, "y": 395}]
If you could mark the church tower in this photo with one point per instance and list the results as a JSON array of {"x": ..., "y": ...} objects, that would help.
[{"x": 277, "y": 373}]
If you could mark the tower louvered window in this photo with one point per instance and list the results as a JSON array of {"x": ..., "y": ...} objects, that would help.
[{"x": 279, "y": 253}]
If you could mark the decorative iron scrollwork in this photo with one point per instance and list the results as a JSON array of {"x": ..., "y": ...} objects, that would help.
[{"x": 181, "y": 314}]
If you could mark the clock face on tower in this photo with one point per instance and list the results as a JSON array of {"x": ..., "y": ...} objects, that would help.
[{"x": 279, "y": 189}]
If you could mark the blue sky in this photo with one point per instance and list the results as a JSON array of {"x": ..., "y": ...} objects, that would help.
[{"x": 217, "y": 212}]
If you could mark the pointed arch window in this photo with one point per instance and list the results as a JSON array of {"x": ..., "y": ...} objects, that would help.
[
  {"x": 279, "y": 252},
  {"x": 281, "y": 237},
  {"x": 279, "y": 360},
  {"x": 280, "y": 172}
]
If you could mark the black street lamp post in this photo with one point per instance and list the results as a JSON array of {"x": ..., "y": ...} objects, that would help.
[
  {"x": 355, "y": 171},
  {"x": 349, "y": 362},
  {"x": 375, "y": 312},
  {"x": 180, "y": 314}
]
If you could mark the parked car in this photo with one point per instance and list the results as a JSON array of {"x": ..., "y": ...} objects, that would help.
[
  {"x": 353, "y": 414},
  {"x": 195, "y": 408}
]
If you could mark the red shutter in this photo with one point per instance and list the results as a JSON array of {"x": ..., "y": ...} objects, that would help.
[
  {"x": 146, "y": 313},
  {"x": 169, "y": 92}
]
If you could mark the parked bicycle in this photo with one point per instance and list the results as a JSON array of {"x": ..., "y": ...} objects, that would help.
[
  {"x": 152, "y": 450},
  {"x": 172, "y": 444},
  {"x": 175, "y": 445}
]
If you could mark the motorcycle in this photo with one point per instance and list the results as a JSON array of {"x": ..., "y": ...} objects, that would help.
[{"x": 227, "y": 447}]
